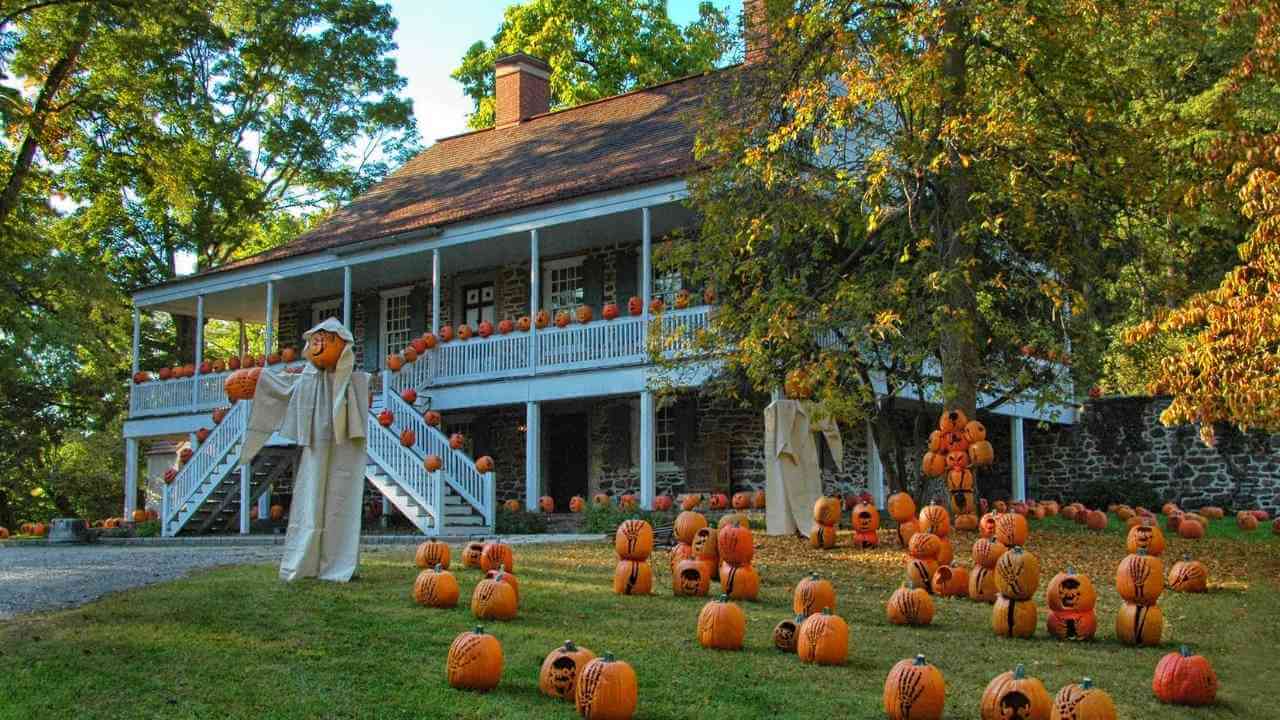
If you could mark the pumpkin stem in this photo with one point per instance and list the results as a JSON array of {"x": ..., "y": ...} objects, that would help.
[
  {"x": 1071, "y": 570},
  {"x": 724, "y": 597},
  {"x": 1142, "y": 551},
  {"x": 919, "y": 660},
  {"x": 479, "y": 630},
  {"x": 1019, "y": 671},
  {"x": 799, "y": 619},
  {"x": 1086, "y": 683},
  {"x": 813, "y": 575},
  {"x": 826, "y": 611},
  {"x": 1186, "y": 651},
  {"x": 569, "y": 646},
  {"x": 608, "y": 657}
]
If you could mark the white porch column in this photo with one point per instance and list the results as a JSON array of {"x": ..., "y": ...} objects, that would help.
[
  {"x": 346, "y": 296},
  {"x": 435, "y": 292},
  {"x": 532, "y": 455},
  {"x": 875, "y": 469},
  {"x": 130, "y": 477},
  {"x": 646, "y": 260},
  {"x": 648, "y": 446},
  {"x": 195, "y": 385},
  {"x": 1019, "y": 466},
  {"x": 269, "y": 328},
  {"x": 137, "y": 339},
  {"x": 264, "y": 505},
  {"x": 244, "y": 344},
  {"x": 535, "y": 295},
  {"x": 245, "y": 483}
]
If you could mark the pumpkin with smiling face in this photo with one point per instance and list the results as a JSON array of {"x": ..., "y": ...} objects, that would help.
[
  {"x": 1146, "y": 537},
  {"x": 324, "y": 348}
]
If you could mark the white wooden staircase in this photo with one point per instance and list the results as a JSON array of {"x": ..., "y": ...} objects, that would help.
[{"x": 205, "y": 495}]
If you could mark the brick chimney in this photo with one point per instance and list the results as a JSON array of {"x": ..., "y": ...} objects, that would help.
[
  {"x": 523, "y": 87},
  {"x": 755, "y": 29}
]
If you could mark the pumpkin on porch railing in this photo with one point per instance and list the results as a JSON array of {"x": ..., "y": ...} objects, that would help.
[
  {"x": 577, "y": 503},
  {"x": 206, "y": 367},
  {"x": 184, "y": 457},
  {"x": 505, "y": 326},
  {"x": 446, "y": 333},
  {"x": 656, "y": 306},
  {"x": 601, "y": 500},
  {"x": 628, "y": 502},
  {"x": 682, "y": 299},
  {"x": 277, "y": 513},
  {"x": 635, "y": 306},
  {"x": 429, "y": 340},
  {"x": 409, "y": 395},
  {"x": 141, "y": 376},
  {"x": 419, "y": 345},
  {"x": 484, "y": 464},
  {"x": 189, "y": 370},
  {"x": 219, "y": 365},
  {"x": 524, "y": 323},
  {"x": 410, "y": 355},
  {"x": 385, "y": 418},
  {"x": 272, "y": 359},
  {"x": 719, "y": 501},
  {"x": 456, "y": 441},
  {"x": 407, "y": 437},
  {"x": 432, "y": 418},
  {"x": 562, "y": 319},
  {"x": 484, "y": 329},
  {"x": 663, "y": 503},
  {"x": 689, "y": 501},
  {"x": 170, "y": 474},
  {"x": 432, "y": 463},
  {"x": 202, "y": 434},
  {"x": 164, "y": 373},
  {"x": 233, "y": 363},
  {"x": 584, "y": 314},
  {"x": 547, "y": 504},
  {"x": 709, "y": 295},
  {"x": 541, "y": 319},
  {"x": 247, "y": 361},
  {"x": 395, "y": 362},
  {"x": 289, "y": 354},
  {"x": 609, "y": 311}
]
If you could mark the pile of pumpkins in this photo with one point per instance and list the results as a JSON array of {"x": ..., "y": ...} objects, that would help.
[
  {"x": 633, "y": 543},
  {"x": 495, "y": 597},
  {"x": 816, "y": 635},
  {"x": 703, "y": 553},
  {"x": 954, "y": 447}
]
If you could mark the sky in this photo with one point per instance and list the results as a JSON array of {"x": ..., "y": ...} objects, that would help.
[{"x": 433, "y": 36}]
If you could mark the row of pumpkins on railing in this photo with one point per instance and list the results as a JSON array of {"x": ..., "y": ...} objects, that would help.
[
  {"x": 208, "y": 367},
  {"x": 432, "y": 462},
  {"x": 540, "y": 320}
]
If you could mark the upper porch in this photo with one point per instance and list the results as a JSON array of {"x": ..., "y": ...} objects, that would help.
[{"x": 593, "y": 251}]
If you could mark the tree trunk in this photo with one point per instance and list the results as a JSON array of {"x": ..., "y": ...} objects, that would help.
[{"x": 39, "y": 118}]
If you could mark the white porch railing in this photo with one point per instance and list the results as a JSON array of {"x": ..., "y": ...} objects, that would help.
[
  {"x": 201, "y": 393},
  {"x": 458, "y": 469},
  {"x": 182, "y": 497},
  {"x": 383, "y": 447}
]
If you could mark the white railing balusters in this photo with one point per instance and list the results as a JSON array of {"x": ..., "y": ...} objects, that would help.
[
  {"x": 192, "y": 485},
  {"x": 173, "y": 397}
]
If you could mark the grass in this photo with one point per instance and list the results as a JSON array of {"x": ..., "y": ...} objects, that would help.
[{"x": 236, "y": 643}]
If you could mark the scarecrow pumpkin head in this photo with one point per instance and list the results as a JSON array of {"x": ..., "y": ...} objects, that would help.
[{"x": 324, "y": 348}]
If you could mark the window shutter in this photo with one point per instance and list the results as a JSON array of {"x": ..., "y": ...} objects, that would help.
[
  {"x": 418, "y": 299},
  {"x": 619, "y": 419},
  {"x": 592, "y": 282},
  {"x": 372, "y": 332},
  {"x": 625, "y": 262}
]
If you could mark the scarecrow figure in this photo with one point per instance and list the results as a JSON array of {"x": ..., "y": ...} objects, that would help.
[{"x": 323, "y": 409}]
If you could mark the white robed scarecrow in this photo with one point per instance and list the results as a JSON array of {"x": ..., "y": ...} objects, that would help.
[
  {"x": 323, "y": 409},
  {"x": 793, "y": 475}
]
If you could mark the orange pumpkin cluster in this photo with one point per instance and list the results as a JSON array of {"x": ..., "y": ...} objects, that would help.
[
  {"x": 954, "y": 447},
  {"x": 735, "y": 548},
  {"x": 1140, "y": 580},
  {"x": 826, "y": 514},
  {"x": 1017, "y": 576}
]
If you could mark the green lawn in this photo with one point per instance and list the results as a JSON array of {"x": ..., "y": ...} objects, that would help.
[{"x": 237, "y": 643}]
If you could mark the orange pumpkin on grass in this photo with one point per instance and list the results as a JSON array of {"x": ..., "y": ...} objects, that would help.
[
  {"x": 721, "y": 625},
  {"x": 494, "y": 598},
  {"x": 432, "y": 553},
  {"x": 914, "y": 690},
  {"x": 823, "y": 639},
  {"x": 495, "y": 555},
  {"x": 1182, "y": 678},
  {"x": 436, "y": 587},
  {"x": 606, "y": 690},
  {"x": 1015, "y": 695},
  {"x": 633, "y": 577},
  {"x": 910, "y": 605},
  {"x": 812, "y": 594},
  {"x": 1188, "y": 575},
  {"x": 474, "y": 661},
  {"x": 560, "y": 669}
]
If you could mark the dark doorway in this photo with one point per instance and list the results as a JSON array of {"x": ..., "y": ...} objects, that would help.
[{"x": 566, "y": 471}]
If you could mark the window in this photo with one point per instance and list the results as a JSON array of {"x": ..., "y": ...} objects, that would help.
[
  {"x": 396, "y": 332},
  {"x": 477, "y": 304},
  {"x": 665, "y": 442},
  {"x": 322, "y": 311},
  {"x": 562, "y": 284},
  {"x": 666, "y": 286}
]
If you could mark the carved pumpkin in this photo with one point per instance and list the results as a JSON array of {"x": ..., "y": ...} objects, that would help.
[
  {"x": 324, "y": 348},
  {"x": 910, "y": 605},
  {"x": 811, "y": 595},
  {"x": 584, "y": 314},
  {"x": 986, "y": 552},
  {"x": 429, "y": 340},
  {"x": 432, "y": 553},
  {"x": 1146, "y": 537},
  {"x": 1140, "y": 578},
  {"x": 446, "y": 333},
  {"x": 981, "y": 453},
  {"x": 960, "y": 489},
  {"x": 934, "y": 464},
  {"x": 505, "y": 326},
  {"x": 690, "y": 501},
  {"x": 628, "y": 502},
  {"x": 679, "y": 553},
  {"x": 484, "y": 329},
  {"x": 601, "y": 500},
  {"x": 1182, "y": 678},
  {"x": 409, "y": 354},
  {"x": 824, "y": 639},
  {"x": 277, "y": 514},
  {"x": 740, "y": 582},
  {"x": 1018, "y": 574},
  {"x": 953, "y": 421},
  {"x": 512, "y": 505},
  {"x": 185, "y": 455},
  {"x": 1011, "y": 529},
  {"x": 1189, "y": 528},
  {"x": 740, "y": 501},
  {"x": 951, "y": 581},
  {"x": 691, "y": 578},
  {"x": 967, "y": 522},
  {"x": 901, "y": 507},
  {"x": 559, "y": 674},
  {"x": 1069, "y": 591},
  {"x": 219, "y": 414},
  {"x": 785, "y": 632},
  {"x": 865, "y": 518},
  {"x": 719, "y": 501},
  {"x": 547, "y": 504},
  {"x": 385, "y": 418},
  {"x": 1015, "y": 696},
  {"x": 721, "y": 625},
  {"x": 563, "y": 319},
  {"x": 407, "y": 437},
  {"x": 242, "y": 384},
  {"x": 456, "y": 441},
  {"x": 826, "y": 511},
  {"x": 170, "y": 474},
  {"x": 920, "y": 572},
  {"x": 758, "y": 500},
  {"x": 495, "y": 555},
  {"x": 735, "y": 545},
  {"x": 682, "y": 299},
  {"x": 656, "y": 306},
  {"x": 1246, "y": 521},
  {"x": 822, "y": 537},
  {"x": 409, "y": 395},
  {"x": 1139, "y": 624},
  {"x": 432, "y": 418},
  {"x": 934, "y": 519},
  {"x": 494, "y": 598},
  {"x": 633, "y": 540},
  {"x": 436, "y": 587},
  {"x": 1188, "y": 575},
  {"x": 577, "y": 504},
  {"x": 524, "y": 323},
  {"x": 663, "y": 503},
  {"x": 609, "y": 311},
  {"x": 432, "y": 462},
  {"x": 1072, "y": 624},
  {"x": 982, "y": 585},
  {"x": 464, "y": 332},
  {"x": 687, "y": 524},
  {"x": 924, "y": 545},
  {"x": 633, "y": 577},
  {"x": 975, "y": 432},
  {"x": 606, "y": 690},
  {"x": 484, "y": 464},
  {"x": 474, "y": 661},
  {"x": 914, "y": 690},
  {"x": 1083, "y": 702}
]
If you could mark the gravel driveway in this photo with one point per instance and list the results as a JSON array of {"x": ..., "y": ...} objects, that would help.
[{"x": 48, "y": 578}]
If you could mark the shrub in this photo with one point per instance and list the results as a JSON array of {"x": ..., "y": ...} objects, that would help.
[
  {"x": 607, "y": 520},
  {"x": 520, "y": 522}
]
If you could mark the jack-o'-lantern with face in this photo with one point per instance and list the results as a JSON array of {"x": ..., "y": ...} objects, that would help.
[{"x": 324, "y": 348}]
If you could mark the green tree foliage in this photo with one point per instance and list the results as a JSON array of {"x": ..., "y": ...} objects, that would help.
[{"x": 596, "y": 48}]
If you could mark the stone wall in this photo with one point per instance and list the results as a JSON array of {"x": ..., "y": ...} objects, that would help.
[{"x": 1121, "y": 452}]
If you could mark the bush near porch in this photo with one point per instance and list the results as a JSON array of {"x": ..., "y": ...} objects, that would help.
[{"x": 237, "y": 643}]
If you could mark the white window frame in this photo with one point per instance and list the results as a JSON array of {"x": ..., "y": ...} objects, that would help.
[
  {"x": 383, "y": 331},
  {"x": 667, "y": 286},
  {"x": 492, "y": 305},
  {"x": 321, "y": 311},
  {"x": 547, "y": 294},
  {"x": 664, "y": 441}
]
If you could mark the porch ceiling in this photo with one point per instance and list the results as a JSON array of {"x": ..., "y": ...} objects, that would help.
[{"x": 248, "y": 302}]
